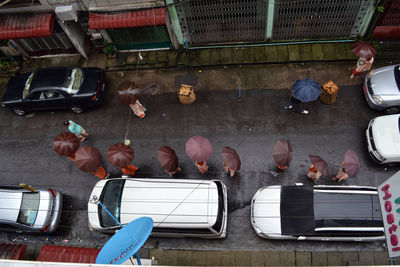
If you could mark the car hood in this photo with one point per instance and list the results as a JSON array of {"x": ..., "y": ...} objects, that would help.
[
  {"x": 385, "y": 131},
  {"x": 383, "y": 82},
  {"x": 266, "y": 207},
  {"x": 14, "y": 88}
]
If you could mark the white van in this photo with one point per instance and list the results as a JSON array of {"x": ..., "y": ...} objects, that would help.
[{"x": 179, "y": 208}]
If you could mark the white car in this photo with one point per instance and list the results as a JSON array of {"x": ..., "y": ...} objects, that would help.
[
  {"x": 178, "y": 207},
  {"x": 383, "y": 139},
  {"x": 323, "y": 213}
]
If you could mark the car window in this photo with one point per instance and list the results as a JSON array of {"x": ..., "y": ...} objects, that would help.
[
  {"x": 27, "y": 85},
  {"x": 36, "y": 96},
  {"x": 74, "y": 81},
  {"x": 397, "y": 75},
  {"x": 29, "y": 208},
  {"x": 111, "y": 199},
  {"x": 52, "y": 94}
]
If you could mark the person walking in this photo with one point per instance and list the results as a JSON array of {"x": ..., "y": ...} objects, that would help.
[
  {"x": 363, "y": 64},
  {"x": 342, "y": 175},
  {"x": 129, "y": 170},
  {"x": 297, "y": 104},
  {"x": 202, "y": 166},
  {"x": 76, "y": 129},
  {"x": 313, "y": 173},
  {"x": 138, "y": 109},
  {"x": 101, "y": 173}
]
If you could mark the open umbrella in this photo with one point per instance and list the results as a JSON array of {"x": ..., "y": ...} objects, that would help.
[
  {"x": 127, "y": 93},
  {"x": 351, "y": 163},
  {"x": 320, "y": 164},
  {"x": 66, "y": 144},
  {"x": 198, "y": 148},
  {"x": 282, "y": 152},
  {"x": 363, "y": 49},
  {"x": 306, "y": 90},
  {"x": 120, "y": 155},
  {"x": 231, "y": 158},
  {"x": 168, "y": 158},
  {"x": 88, "y": 158}
]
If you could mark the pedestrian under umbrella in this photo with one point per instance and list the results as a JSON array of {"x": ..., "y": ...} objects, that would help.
[
  {"x": 282, "y": 154},
  {"x": 128, "y": 94},
  {"x": 366, "y": 53},
  {"x": 66, "y": 144},
  {"x": 304, "y": 90},
  {"x": 349, "y": 167},
  {"x": 121, "y": 155},
  {"x": 88, "y": 159},
  {"x": 168, "y": 160},
  {"x": 231, "y": 160},
  {"x": 318, "y": 167},
  {"x": 199, "y": 149}
]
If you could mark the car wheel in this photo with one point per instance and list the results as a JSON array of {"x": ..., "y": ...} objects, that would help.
[
  {"x": 76, "y": 109},
  {"x": 18, "y": 111},
  {"x": 392, "y": 110}
]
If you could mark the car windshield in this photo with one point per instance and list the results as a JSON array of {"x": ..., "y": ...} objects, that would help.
[
  {"x": 397, "y": 75},
  {"x": 74, "y": 80},
  {"x": 111, "y": 199},
  {"x": 27, "y": 85},
  {"x": 29, "y": 208}
]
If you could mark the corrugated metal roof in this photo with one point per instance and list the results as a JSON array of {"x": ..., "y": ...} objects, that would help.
[
  {"x": 12, "y": 251},
  {"x": 68, "y": 254},
  {"x": 26, "y": 26},
  {"x": 134, "y": 19}
]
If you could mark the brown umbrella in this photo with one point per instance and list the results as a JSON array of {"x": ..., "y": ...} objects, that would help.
[
  {"x": 66, "y": 144},
  {"x": 363, "y": 49},
  {"x": 198, "y": 148},
  {"x": 168, "y": 158},
  {"x": 282, "y": 152},
  {"x": 88, "y": 159},
  {"x": 320, "y": 164},
  {"x": 127, "y": 93},
  {"x": 351, "y": 163},
  {"x": 120, "y": 155},
  {"x": 231, "y": 158}
]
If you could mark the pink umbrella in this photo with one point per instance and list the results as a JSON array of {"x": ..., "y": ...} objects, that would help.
[
  {"x": 198, "y": 148},
  {"x": 351, "y": 163},
  {"x": 320, "y": 164}
]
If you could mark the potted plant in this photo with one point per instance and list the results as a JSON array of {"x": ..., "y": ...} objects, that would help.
[{"x": 109, "y": 49}]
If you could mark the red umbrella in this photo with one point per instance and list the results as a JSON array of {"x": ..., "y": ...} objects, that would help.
[
  {"x": 282, "y": 152},
  {"x": 231, "y": 158},
  {"x": 351, "y": 163},
  {"x": 88, "y": 159},
  {"x": 320, "y": 164},
  {"x": 363, "y": 49},
  {"x": 167, "y": 158},
  {"x": 66, "y": 144},
  {"x": 198, "y": 148},
  {"x": 127, "y": 93},
  {"x": 120, "y": 155}
]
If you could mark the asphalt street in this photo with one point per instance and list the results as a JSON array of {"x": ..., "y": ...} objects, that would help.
[{"x": 251, "y": 127}]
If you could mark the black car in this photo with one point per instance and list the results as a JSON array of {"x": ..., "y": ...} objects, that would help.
[{"x": 55, "y": 88}]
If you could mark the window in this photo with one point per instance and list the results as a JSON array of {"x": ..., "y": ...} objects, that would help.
[
  {"x": 111, "y": 199},
  {"x": 52, "y": 94},
  {"x": 74, "y": 80},
  {"x": 27, "y": 85},
  {"x": 29, "y": 208},
  {"x": 218, "y": 224}
]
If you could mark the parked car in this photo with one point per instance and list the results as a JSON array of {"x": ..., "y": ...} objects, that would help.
[
  {"x": 24, "y": 211},
  {"x": 382, "y": 89},
  {"x": 383, "y": 139},
  {"x": 55, "y": 88},
  {"x": 323, "y": 213},
  {"x": 180, "y": 208}
]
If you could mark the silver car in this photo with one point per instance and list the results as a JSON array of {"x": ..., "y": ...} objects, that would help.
[
  {"x": 382, "y": 89},
  {"x": 323, "y": 213},
  {"x": 24, "y": 211}
]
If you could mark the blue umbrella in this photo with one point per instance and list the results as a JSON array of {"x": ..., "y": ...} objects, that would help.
[{"x": 306, "y": 90}]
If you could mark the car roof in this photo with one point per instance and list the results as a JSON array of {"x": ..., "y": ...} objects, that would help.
[
  {"x": 171, "y": 203},
  {"x": 10, "y": 203},
  {"x": 49, "y": 77}
]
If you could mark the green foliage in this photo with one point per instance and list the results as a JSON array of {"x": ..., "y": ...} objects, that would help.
[
  {"x": 109, "y": 48},
  {"x": 6, "y": 65},
  {"x": 380, "y": 9}
]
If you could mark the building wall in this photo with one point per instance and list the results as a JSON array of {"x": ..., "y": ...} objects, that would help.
[{"x": 115, "y": 5}]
